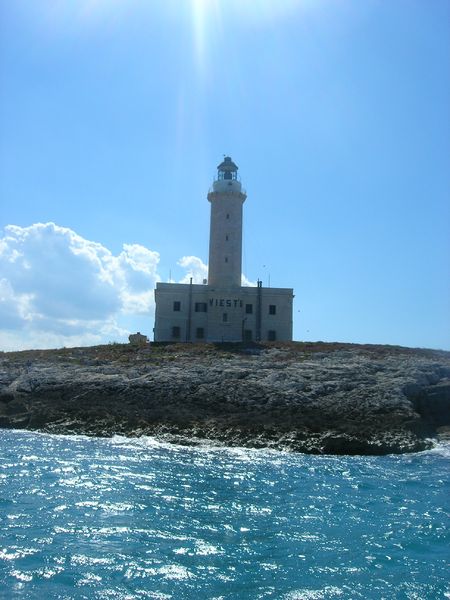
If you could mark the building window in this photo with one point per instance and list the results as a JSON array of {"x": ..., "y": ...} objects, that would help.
[
  {"x": 200, "y": 333},
  {"x": 176, "y": 305},
  {"x": 226, "y": 258},
  {"x": 226, "y": 238},
  {"x": 272, "y": 309},
  {"x": 248, "y": 335},
  {"x": 201, "y": 307},
  {"x": 176, "y": 332},
  {"x": 225, "y": 317},
  {"x": 271, "y": 335},
  {"x": 249, "y": 309},
  {"x": 228, "y": 215}
]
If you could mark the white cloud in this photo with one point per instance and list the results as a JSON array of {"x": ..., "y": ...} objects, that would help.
[
  {"x": 195, "y": 268},
  {"x": 60, "y": 289},
  {"x": 57, "y": 288},
  {"x": 247, "y": 282}
]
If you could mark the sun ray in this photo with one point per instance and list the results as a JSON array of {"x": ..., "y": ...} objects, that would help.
[{"x": 202, "y": 10}]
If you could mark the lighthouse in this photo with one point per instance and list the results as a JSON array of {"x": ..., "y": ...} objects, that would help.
[
  {"x": 225, "y": 233},
  {"x": 221, "y": 309}
]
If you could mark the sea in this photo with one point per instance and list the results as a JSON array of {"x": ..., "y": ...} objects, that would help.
[{"x": 121, "y": 518}]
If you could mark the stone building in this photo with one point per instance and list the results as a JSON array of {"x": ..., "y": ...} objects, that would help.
[
  {"x": 138, "y": 339},
  {"x": 221, "y": 309}
]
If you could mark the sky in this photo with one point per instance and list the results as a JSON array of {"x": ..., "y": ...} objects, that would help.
[{"x": 115, "y": 114}]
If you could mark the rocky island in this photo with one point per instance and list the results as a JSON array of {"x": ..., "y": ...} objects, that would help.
[{"x": 308, "y": 397}]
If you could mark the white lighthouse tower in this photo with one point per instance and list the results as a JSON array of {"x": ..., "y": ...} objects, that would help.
[
  {"x": 221, "y": 309},
  {"x": 225, "y": 237}
]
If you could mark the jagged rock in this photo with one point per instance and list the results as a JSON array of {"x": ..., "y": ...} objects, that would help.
[
  {"x": 433, "y": 403},
  {"x": 317, "y": 398}
]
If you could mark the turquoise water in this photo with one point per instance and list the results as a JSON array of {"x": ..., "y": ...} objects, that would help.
[{"x": 124, "y": 519}]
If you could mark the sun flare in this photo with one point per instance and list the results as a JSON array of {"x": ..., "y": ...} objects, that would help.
[{"x": 210, "y": 18}]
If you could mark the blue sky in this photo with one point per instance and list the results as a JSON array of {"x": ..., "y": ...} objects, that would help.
[{"x": 114, "y": 115}]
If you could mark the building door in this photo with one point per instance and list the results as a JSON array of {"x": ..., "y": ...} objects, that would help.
[{"x": 248, "y": 335}]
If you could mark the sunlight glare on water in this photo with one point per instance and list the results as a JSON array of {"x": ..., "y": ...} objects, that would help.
[{"x": 136, "y": 518}]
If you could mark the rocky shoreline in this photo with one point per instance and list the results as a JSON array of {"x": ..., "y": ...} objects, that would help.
[{"x": 307, "y": 397}]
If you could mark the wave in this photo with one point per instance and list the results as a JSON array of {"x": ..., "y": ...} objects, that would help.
[{"x": 440, "y": 448}]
